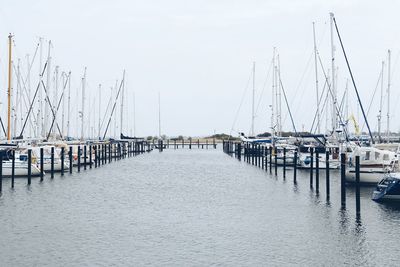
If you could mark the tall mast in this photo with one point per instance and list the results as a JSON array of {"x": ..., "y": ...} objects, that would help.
[
  {"x": 55, "y": 98},
  {"x": 28, "y": 83},
  {"x": 388, "y": 97},
  {"x": 83, "y": 104},
  {"x": 69, "y": 104},
  {"x": 273, "y": 96},
  {"x": 253, "y": 97},
  {"x": 9, "y": 88},
  {"x": 380, "y": 105},
  {"x": 40, "y": 100},
  {"x": 63, "y": 76},
  {"x": 279, "y": 96},
  {"x": 159, "y": 115},
  {"x": 99, "y": 126},
  {"x": 316, "y": 82},
  {"x": 333, "y": 85},
  {"x": 46, "y": 105},
  {"x": 122, "y": 101},
  {"x": 17, "y": 98}
]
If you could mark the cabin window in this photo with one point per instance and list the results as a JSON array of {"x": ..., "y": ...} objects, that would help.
[
  {"x": 367, "y": 155},
  {"x": 376, "y": 155},
  {"x": 385, "y": 156}
]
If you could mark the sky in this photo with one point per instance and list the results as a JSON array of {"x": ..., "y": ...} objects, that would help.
[{"x": 198, "y": 56}]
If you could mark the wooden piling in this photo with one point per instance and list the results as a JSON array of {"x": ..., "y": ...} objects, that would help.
[
  {"x": 1, "y": 171},
  {"x": 311, "y": 166},
  {"x": 270, "y": 159},
  {"x": 295, "y": 167},
  {"x": 284, "y": 162},
  {"x": 12, "y": 167},
  {"x": 62, "y": 160},
  {"x": 343, "y": 179},
  {"x": 79, "y": 158},
  {"x": 358, "y": 204},
  {"x": 327, "y": 174},
  {"x": 84, "y": 157},
  {"x": 29, "y": 166},
  {"x": 276, "y": 160},
  {"x": 52, "y": 162},
  {"x": 70, "y": 159},
  {"x": 317, "y": 172},
  {"x": 41, "y": 164}
]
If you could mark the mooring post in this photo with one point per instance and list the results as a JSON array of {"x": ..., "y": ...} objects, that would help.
[
  {"x": 12, "y": 167},
  {"x": 266, "y": 158},
  {"x": 207, "y": 143},
  {"x": 190, "y": 143},
  {"x": 62, "y": 160},
  {"x": 284, "y": 162},
  {"x": 327, "y": 174},
  {"x": 52, "y": 162},
  {"x": 41, "y": 164},
  {"x": 95, "y": 155},
  {"x": 183, "y": 143},
  {"x": 358, "y": 206},
  {"x": 109, "y": 153},
  {"x": 343, "y": 179},
  {"x": 276, "y": 160},
  {"x": 295, "y": 167},
  {"x": 29, "y": 166},
  {"x": 262, "y": 157},
  {"x": 317, "y": 171},
  {"x": 270, "y": 159},
  {"x": 252, "y": 153},
  {"x": 90, "y": 156},
  {"x": 84, "y": 157},
  {"x": 311, "y": 166},
  {"x": 79, "y": 158},
  {"x": 70, "y": 159}
]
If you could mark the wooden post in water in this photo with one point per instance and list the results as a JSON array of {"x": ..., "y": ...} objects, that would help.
[
  {"x": 70, "y": 159},
  {"x": 358, "y": 206},
  {"x": 95, "y": 156},
  {"x": 262, "y": 157},
  {"x": 266, "y": 158},
  {"x": 343, "y": 179},
  {"x": 284, "y": 162},
  {"x": 183, "y": 142},
  {"x": 311, "y": 166},
  {"x": 207, "y": 143},
  {"x": 270, "y": 159},
  {"x": 276, "y": 161},
  {"x": 84, "y": 157},
  {"x": 29, "y": 166},
  {"x": 109, "y": 153},
  {"x": 252, "y": 154},
  {"x": 190, "y": 143},
  {"x": 317, "y": 172},
  {"x": 62, "y": 160},
  {"x": 295, "y": 167},
  {"x": 327, "y": 174},
  {"x": 79, "y": 158},
  {"x": 52, "y": 162},
  {"x": 12, "y": 167},
  {"x": 41, "y": 164}
]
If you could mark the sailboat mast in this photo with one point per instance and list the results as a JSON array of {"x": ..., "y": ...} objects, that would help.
[
  {"x": 134, "y": 115},
  {"x": 9, "y": 88},
  {"x": 46, "y": 108},
  {"x": 253, "y": 98},
  {"x": 28, "y": 83},
  {"x": 122, "y": 101},
  {"x": 273, "y": 96},
  {"x": 333, "y": 85},
  {"x": 380, "y": 105},
  {"x": 17, "y": 97},
  {"x": 388, "y": 97},
  {"x": 40, "y": 100},
  {"x": 279, "y": 88},
  {"x": 316, "y": 81},
  {"x": 69, "y": 104},
  {"x": 83, "y": 104}
]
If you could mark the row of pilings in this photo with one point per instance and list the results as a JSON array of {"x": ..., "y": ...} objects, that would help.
[
  {"x": 87, "y": 157},
  {"x": 266, "y": 158}
]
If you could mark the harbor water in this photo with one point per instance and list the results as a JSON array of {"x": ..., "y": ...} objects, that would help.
[{"x": 191, "y": 208}]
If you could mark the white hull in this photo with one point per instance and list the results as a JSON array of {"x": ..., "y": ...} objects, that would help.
[
  {"x": 370, "y": 176},
  {"x": 21, "y": 169}
]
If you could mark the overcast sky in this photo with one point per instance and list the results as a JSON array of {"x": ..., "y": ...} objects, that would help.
[{"x": 199, "y": 54}]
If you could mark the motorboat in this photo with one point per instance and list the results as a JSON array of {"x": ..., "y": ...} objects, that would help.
[
  {"x": 388, "y": 188},
  {"x": 374, "y": 163}
]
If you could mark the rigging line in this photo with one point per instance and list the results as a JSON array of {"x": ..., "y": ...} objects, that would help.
[
  {"x": 2, "y": 126},
  {"x": 287, "y": 104},
  {"x": 316, "y": 111},
  {"x": 321, "y": 110},
  {"x": 263, "y": 89},
  {"x": 354, "y": 83},
  {"x": 33, "y": 100},
  {"x": 373, "y": 96},
  {"x": 240, "y": 106},
  {"x": 51, "y": 107},
  {"x": 115, "y": 103},
  {"x": 331, "y": 93},
  {"x": 58, "y": 107}
]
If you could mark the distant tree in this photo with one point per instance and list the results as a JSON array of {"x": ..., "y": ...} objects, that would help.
[
  {"x": 149, "y": 138},
  {"x": 180, "y": 137}
]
